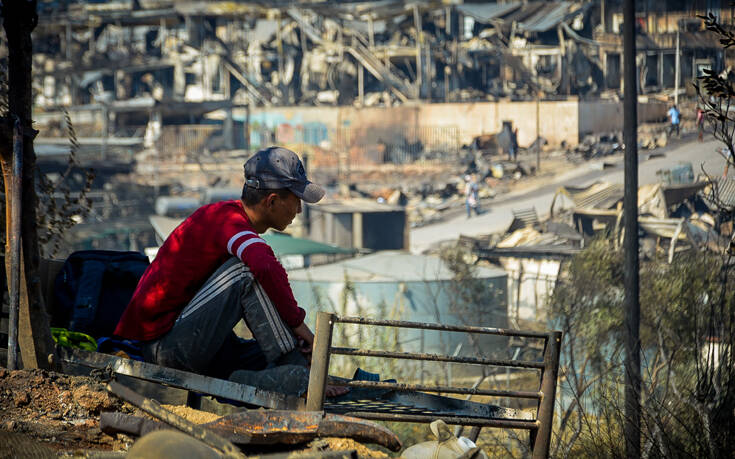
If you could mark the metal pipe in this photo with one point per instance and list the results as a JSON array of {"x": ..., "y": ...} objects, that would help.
[
  {"x": 541, "y": 439},
  {"x": 320, "y": 361},
  {"x": 436, "y": 358},
  {"x": 452, "y": 420},
  {"x": 632, "y": 425},
  {"x": 16, "y": 190},
  {"x": 442, "y": 327},
  {"x": 444, "y": 389}
]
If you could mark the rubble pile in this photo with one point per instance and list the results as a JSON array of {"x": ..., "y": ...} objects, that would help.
[
  {"x": 682, "y": 213},
  {"x": 675, "y": 215},
  {"x": 58, "y": 410},
  {"x": 137, "y": 55},
  {"x": 48, "y": 413},
  {"x": 431, "y": 192}
]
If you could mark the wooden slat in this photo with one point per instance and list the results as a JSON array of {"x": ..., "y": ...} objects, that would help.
[{"x": 180, "y": 379}]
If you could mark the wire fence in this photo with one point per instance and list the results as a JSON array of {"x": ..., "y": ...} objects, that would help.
[
  {"x": 187, "y": 143},
  {"x": 398, "y": 144}
]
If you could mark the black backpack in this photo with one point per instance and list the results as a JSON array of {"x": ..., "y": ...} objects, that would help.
[{"x": 94, "y": 287}]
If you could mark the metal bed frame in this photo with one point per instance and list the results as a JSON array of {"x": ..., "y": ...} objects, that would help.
[{"x": 410, "y": 403}]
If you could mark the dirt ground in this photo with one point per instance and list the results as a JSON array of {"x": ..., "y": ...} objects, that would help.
[
  {"x": 44, "y": 413},
  {"x": 57, "y": 410}
]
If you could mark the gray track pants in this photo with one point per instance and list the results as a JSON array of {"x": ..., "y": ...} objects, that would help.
[{"x": 202, "y": 340}]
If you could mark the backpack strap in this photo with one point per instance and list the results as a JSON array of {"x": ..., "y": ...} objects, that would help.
[{"x": 88, "y": 294}]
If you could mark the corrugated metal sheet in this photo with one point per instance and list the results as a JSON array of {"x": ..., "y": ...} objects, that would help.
[
  {"x": 551, "y": 15},
  {"x": 725, "y": 191},
  {"x": 600, "y": 195},
  {"x": 522, "y": 14},
  {"x": 530, "y": 243},
  {"x": 485, "y": 12}
]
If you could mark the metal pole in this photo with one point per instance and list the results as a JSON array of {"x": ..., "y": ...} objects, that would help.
[
  {"x": 16, "y": 191},
  {"x": 541, "y": 437},
  {"x": 320, "y": 362},
  {"x": 419, "y": 65},
  {"x": 632, "y": 428},
  {"x": 538, "y": 129},
  {"x": 361, "y": 84},
  {"x": 677, "y": 70}
]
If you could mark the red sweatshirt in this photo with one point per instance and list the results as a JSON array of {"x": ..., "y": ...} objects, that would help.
[{"x": 191, "y": 253}]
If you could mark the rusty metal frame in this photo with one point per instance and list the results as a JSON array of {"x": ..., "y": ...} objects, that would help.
[{"x": 539, "y": 428}]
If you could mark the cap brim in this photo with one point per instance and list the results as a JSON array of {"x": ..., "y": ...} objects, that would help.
[{"x": 309, "y": 192}]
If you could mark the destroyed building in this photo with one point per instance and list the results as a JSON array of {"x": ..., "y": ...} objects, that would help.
[
  {"x": 176, "y": 94},
  {"x": 131, "y": 68},
  {"x": 179, "y": 81},
  {"x": 675, "y": 216},
  {"x": 366, "y": 53}
]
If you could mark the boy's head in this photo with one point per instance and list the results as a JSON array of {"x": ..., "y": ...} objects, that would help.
[
  {"x": 275, "y": 184},
  {"x": 277, "y": 168}
]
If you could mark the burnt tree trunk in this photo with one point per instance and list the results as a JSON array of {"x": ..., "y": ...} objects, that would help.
[{"x": 34, "y": 335}]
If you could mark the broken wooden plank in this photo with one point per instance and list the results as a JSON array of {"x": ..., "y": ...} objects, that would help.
[{"x": 180, "y": 379}]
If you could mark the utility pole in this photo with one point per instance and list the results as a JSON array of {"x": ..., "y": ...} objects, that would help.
[
  {"x": 677, "y": 69},
  {"x": 632, "y": 427}
]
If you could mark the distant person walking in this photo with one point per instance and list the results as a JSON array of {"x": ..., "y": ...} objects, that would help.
[
  {"x": 513, "y": 151},
  {"x": 700, "y": 123},
  {"x": 471, "y": 195},
  {"x": 674, "y": 113}
]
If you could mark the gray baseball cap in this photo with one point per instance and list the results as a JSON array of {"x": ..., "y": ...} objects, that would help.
[{"x": 277, "y": 167}]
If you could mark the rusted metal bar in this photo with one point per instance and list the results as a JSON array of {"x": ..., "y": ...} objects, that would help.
[
  {"x": 545, "y": 414},
  {"x": 154, "y": 409},
  {"x": 320, "y": 361},
  {"x": 474, "y": 433},
  {"x": 444, "y": 389},
  {"x": 442, "y": 327},
  {"x": 16, "y": 190},
  {"x": 179, "y": 379},
  {"x": 436, "y": 358},
  {"x": 452, "y": 420}
]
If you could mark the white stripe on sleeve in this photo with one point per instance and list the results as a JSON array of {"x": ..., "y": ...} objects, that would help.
[
  {"x": 236, "y": 237},
  {"x": 245, "y": 244}
]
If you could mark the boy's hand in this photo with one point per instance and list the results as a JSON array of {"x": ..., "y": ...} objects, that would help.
[{"x": 305, "y": 349}]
